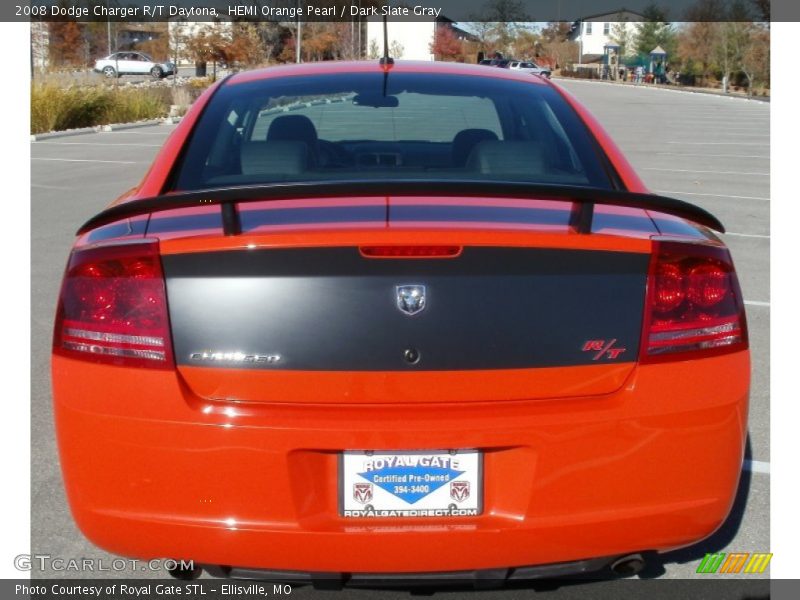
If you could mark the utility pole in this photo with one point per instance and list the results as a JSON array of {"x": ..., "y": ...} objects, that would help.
[{"x": 299, "y": 34}]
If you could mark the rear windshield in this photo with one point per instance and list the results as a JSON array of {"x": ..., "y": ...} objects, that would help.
[{"x": 405, "y": 125}]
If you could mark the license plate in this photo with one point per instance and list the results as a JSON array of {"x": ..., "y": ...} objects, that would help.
[{"x": 411, "y": 484}]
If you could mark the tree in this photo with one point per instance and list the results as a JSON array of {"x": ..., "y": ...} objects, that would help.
[
  {"x": 497, "y": 26},
  {"x": 756, "y": 56},
  {"x": 696, "y": 48},
  {"x": 244, "y": 47},
  {"x": 527, "y": 44},
  {"x": 66, "y": 44},
  {"x": 396, "y": 49},
  {"x": 621, "y": 35},
  {"x": 747, "y": 46},
  {"x": 320, "y": 41},
  {"x": 557, "y": 45},
  {"x": 655, "y": 31},
  {"x": 209, "y": 44},
  {"x": 445, "y": 45},
  {"x": 374, "y": 50}
]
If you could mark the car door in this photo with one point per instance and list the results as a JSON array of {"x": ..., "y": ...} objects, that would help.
[
  {"x": 124, "y": 63},
  {"x": 142, "y": 64}
]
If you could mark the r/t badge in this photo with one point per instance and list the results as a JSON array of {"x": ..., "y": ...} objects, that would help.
[{"x": 603, "y": 349}]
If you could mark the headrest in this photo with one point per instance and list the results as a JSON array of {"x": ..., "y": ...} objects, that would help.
[
  {"x": 274, "y": 158},
  {"x": 466, "y": 140},
  {"x": 494, "y": 157},
  {"x": 289, "y": 128}
]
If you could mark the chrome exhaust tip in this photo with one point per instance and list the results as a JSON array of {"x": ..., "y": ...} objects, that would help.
[
  {"x": 183, "y": 572},
  {"x": 628, "y": 565}
]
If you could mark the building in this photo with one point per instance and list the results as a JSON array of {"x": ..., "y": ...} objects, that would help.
[
  {"x": 410, "y": 40},
  {"x": 40, "y": 45},
  {"x": 595, "y": 32}
]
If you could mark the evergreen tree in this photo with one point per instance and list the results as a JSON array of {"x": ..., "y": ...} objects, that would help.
[{"x": 655, "y": 31}]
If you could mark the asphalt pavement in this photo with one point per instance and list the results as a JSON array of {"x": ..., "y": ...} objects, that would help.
[{"x": 710, "y": 150}]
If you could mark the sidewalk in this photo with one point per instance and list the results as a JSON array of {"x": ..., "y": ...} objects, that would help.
[{"x": 670, "y": 87}]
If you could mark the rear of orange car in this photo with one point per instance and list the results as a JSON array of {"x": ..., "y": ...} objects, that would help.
[{"x": 401, "y": 383}]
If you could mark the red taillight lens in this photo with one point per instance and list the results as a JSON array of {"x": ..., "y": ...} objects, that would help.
[
  {"x": 693, "y": 303},
  {"x": 668, "y": 285},
  {"x": 113, "y": 307}
]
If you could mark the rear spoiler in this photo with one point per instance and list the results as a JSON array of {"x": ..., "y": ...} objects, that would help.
[{"x": 582, "y": 198}]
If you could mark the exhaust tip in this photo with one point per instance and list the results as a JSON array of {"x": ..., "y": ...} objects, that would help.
[
  {"x": 183, "y": 572},
  {"x": 628, "y": 565}
]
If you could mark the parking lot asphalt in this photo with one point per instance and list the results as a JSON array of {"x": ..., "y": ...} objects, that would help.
[{"x": 712, "y": 151}]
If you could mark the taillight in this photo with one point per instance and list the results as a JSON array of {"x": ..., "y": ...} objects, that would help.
[
  {"x": 113, "y": 307},
  {"x": 694, "y": 304},
  {"x": 410, "y": 251}
]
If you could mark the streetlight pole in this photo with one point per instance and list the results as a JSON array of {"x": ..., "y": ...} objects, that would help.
[{"x": 299, "y": 33}]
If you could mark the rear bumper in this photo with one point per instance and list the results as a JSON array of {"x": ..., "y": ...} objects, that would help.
[
  {"x": 487, "y": 578},
  {"x": 151, "y": 470}
]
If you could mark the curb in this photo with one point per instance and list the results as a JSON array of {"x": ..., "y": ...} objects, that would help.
[
  {"x": 122, "y": 126},
  {"x": 69, "y": 132},
  {"x": 684, "y": 90},
  {"x": 104, "y": 128}
]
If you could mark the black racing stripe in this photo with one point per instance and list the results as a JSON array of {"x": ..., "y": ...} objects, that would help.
[
  {"x": 251, "y": 219},
  {"x": 185, "y": 223},
  {"x": 623, "y": 222},
  {"x": 331, "y": 309},
  {"x": 486, "y": 214}
]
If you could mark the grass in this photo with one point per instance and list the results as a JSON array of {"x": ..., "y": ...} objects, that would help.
[{"x": 55, "y": 108}]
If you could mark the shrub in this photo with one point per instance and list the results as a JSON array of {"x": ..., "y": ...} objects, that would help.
[{"x": 54, "y": 108}]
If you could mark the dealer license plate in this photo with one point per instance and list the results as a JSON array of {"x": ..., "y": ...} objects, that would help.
[{"x": 411, "y": 484}]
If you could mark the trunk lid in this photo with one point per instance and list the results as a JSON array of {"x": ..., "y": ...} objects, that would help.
[{"x": 514, "y": 316}]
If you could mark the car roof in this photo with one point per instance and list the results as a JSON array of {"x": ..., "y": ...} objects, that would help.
[{"x": 373, "y": 66}]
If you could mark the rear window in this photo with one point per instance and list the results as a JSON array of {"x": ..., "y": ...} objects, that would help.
[{"x": 404, "y": 125}]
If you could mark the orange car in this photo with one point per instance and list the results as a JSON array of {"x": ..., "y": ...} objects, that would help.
[{"x": 408, "y": 320}]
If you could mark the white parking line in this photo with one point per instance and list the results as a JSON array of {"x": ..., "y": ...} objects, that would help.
[
  {"x": 756, "y": 303},
  {"x": 116, "y": 162},
  {"x": 737, "y": 134},
  {"x": 712, "y": 195},
  {"x": 756, "y": 466},
  {"x": 692, "y": 130},
  {"x": 97, "y": 144},
  {"x": 747, "y": 235},
  {"x": 131, "y": 132},
  {"x": 714, "y": 172},
  {"x": 704, "y": 154},
  {"x": 717, "y": 143}
]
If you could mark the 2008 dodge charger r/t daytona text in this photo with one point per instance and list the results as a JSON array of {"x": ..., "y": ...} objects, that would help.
[{"x": 367, "y": 319}]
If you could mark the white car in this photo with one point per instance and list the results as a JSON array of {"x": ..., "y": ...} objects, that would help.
[
  {"x": 133, "y": 63},
  {"x": 529, "y": 67}
]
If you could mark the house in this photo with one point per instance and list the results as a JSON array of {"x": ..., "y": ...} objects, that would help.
[
  {"x": 594, "y": 32},
  {"x": 410, "y": 40}
]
